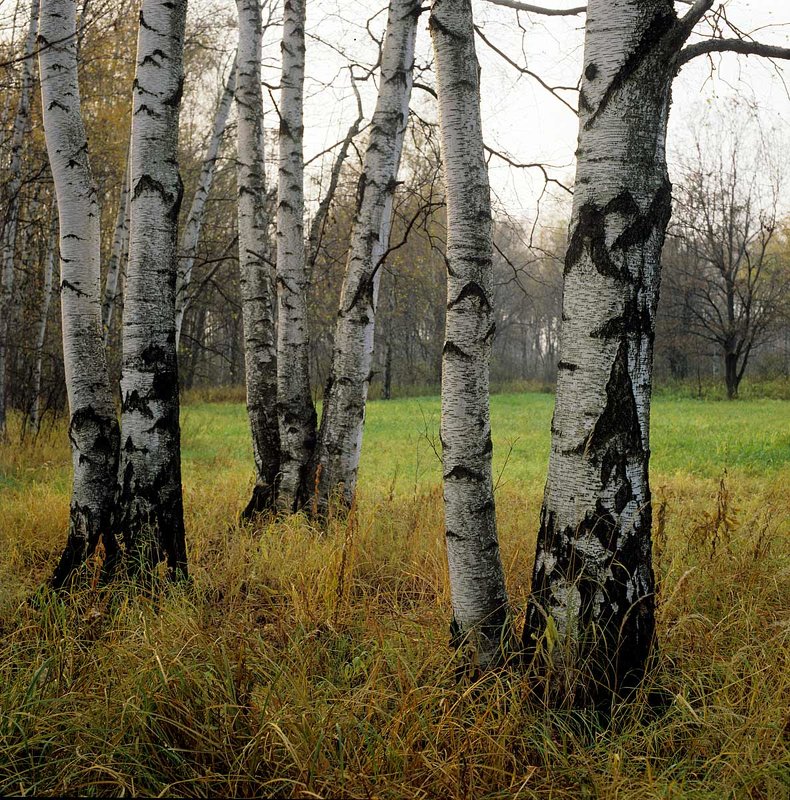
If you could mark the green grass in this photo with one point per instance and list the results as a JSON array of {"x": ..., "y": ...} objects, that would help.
[
  {"x": 315, "y": 666},
  {"x": 692, "y": 437}
]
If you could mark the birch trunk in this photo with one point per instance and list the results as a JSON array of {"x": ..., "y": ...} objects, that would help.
[
  {"x": 43, "y": 317},
  {"x": 296, "y": 413},
  {"x": 119, "y": 243},
  {"x": 335, "y": 463},
  {"x": 93, "y": 427},
  {"x": 152, "y": 519},
  {"x": 592, "y": 602},
  {"x": 257, "y": 276},
  {"x": 477, "y": 582},
  {"x": 13, "y": 187},
  {"x": 194, "y": 221}
]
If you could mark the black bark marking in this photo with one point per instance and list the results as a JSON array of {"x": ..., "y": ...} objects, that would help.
[
  {"x": 452, "y": 349},
  {"x": 474, "y": 290},
  {"x": 590, "y": 235},
  {"x": 655, "y": 219},
  {"x": 661, "y": 24},
  {"x": 462, "y": 473}
]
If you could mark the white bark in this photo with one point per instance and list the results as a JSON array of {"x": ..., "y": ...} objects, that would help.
[
  {"x": 257, "y": 276},
  {"x": 120, "y": 242},
  {"x": 194, "y": 221},
  {"x": 151, "y": 504},
  {"x": 339, "y": 444},
  {"x": 93, "y": 427},
  {"x": 477, "y": 581},
  {"x": 43, "y": 317},
  {"x": 296, "y": 413},
  {"x": 13, "y": 187},
  {"x": 593, "y": 577}
]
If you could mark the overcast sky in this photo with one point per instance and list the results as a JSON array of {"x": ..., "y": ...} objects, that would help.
[{"x": 519, "y": 117}]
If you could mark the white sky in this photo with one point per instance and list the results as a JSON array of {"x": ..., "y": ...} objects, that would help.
[{"x": 519, "y": 117}]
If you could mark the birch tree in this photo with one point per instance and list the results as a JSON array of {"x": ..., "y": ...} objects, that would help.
[
  {"x": 43, "y": 318},
  {"x": 297, "y": 417},
  {"x": 120, "y": 242},
  {"x": 13, "y": 187},
  {"x": 592, "y": 601},
  {"x": 477, "y": 582},
  {"x": 194, "y": 220},
  {"x": 257, "y": 275},
  {"x": 152, "y": 520},
  {"x": 93, "y": 427},
  {"x": 336, "y": 459}
]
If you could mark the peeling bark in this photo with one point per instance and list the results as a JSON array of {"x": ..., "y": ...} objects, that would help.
[
  {"x": 591, "y": 610},
  {"x": 255, "y": 265},
  {"x": 13, "y": 187},
  {"x": 336, "y": 460},
  {"x": 194, "y": 221},
  {"x": 93, "y": 427},
  {"x": 477, "y": 583},
  {"x": 296, "y": 413},
  {"x": 151, "y": 509}
]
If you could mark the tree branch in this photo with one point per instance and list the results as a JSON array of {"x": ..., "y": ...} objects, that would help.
[
  {"x": 546, "y": 12},
  {"x": 733, "y": 46}
]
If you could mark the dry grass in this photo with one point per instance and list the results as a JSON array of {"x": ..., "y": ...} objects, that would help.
[{"x": 317, "y": 666}]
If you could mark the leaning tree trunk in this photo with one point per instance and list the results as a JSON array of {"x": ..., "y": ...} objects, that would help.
[
  {"x": 335, "y": 462},
  {"x": 255, "y": 266},
  {"x": 13, "y": 187},
  {"x": 43, "y": 317},
  {"x": 152, "y": 518},
  {"x": 194, "y": 221},
  {"x": 93, "y": 427},
  {"x": 119, "y": 243},
  {"x": 296, "y": 412},
  {"x": 477, "y": 582},
  {"x": 591, "y": 610}
]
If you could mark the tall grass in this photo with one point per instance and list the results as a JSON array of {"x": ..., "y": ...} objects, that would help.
[{"x": 311, "y": 665}]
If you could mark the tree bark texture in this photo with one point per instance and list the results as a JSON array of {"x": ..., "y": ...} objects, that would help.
[
  {"x": 152, "y": 519},
  {"x": 120, "y": 242},
  {"x": 336, "y": 460},
  {"x": 13, "y": 187},
  {"x": 477, "y": 582},
  {"x": 194, "y": 221},
  {"x": 296, "y": 412},
  {"x": 592, "y": 601},
  {"x": 93, "y": 426},
  {"x": 257, "y": 274}
]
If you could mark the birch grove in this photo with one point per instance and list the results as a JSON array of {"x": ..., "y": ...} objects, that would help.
[
  {"x": 297, "y": 417},
  {"x": 93, "y": 426},
  {"x": 477, "y": 581},
  {"x": 257, "y": 275},
  {"x": 20, "y": 131},
  {"x": 336, "y": 459},
  {"x": 151, "y": 510},
  {"x": 194, "y": 220}
]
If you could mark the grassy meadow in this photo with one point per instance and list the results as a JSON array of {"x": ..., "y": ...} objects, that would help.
[{"x": 308, "y": 665}]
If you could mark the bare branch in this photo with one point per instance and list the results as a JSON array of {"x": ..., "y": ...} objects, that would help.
[
  {"x": 525, "y": 71},
  {"x": 731, "y": 46},
  {"x": 546, "y": 12}
]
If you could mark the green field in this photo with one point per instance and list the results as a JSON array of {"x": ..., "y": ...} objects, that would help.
[{"x": 314, "y": 665}]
